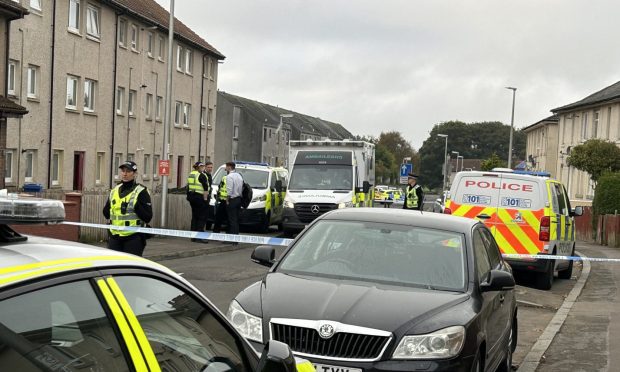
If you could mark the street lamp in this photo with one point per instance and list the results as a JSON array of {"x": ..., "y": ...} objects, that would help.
[
  {"x": 512, "y": 120},
  {"x": 456, "y": 169},
  {"x": 445, "y": 161}
]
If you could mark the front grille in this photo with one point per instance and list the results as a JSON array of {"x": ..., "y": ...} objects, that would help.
[
  {"x": 340, "y": 345},
  {"x": 305, "y": 213}
]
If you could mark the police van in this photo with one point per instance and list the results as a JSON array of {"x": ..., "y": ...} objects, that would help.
[
  {"x": 268, "y": 191},
  {"x": 66, "y": 306},
  {"x": 528, "y": 213}
]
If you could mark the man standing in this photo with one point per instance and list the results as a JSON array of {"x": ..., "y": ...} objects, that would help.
[
  {"x": 234, "y": 187},
  {"x": 220, "y": 205},
  {"x": 414, "y": 196},
  {"x": 207, "y": 173},
  {"x": 129, "y": 204},
  {"x": 197, "y": 195}
]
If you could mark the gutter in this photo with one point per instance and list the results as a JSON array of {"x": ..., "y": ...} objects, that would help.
[
  {"x": 51, "y": 125},
  {"x": 114, "y": 100}
]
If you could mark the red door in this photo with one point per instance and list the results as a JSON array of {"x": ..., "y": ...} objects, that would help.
[
  {"x": 78, "y": 170},
  {"x": 180, "y": 173}
]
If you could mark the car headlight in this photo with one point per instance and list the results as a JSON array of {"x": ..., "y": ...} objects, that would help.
[
  {"x": 345, "y": 205},
  {"x": 248, "y": 325},
  {"x": 259, "y": 198},
  {"x": 442, "y": 344},
  {"x": 289, "y": 204}
]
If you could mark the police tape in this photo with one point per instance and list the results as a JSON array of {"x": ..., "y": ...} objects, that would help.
[
  {"x": 555, "y": 257},
  {"x": 249, "y": 239}
]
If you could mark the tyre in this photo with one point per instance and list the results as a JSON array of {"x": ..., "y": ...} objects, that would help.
[
  {"x": 568, "y": 272},
  {"x": 478, "y": 365},
  {"x": 544, "y": 280}
]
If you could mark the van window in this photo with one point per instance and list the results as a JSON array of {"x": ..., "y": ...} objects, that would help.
[
  {"x": 554, "y": 198},
  {"x": 561, "y": 198},
  {"x": 477, "y": 190},
  {"x": 519, "y": 193}
]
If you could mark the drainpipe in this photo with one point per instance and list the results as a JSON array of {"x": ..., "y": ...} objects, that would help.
[
  {"x": 114, "y": 101},
  {"x": 7, "y": 40},
  {"x": 49, "y": 154},
  {"x": 202, "y": 93},
  {"x": 19, "y": 129}
]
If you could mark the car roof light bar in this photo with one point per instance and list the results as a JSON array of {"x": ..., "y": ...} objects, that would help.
[{"x": 16, "y": 209}]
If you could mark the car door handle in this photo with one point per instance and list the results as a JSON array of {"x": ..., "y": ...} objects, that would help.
[{"x": 483, "y": 216}]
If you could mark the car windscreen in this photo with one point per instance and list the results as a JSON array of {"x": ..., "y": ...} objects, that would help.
[
  {"x": 381, "y": 253},
  {"x": 258, "y": 179},
  {"x": 323, "y": 177}
]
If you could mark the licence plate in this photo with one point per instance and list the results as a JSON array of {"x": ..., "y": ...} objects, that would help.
[{"x": 328, "y": 368}]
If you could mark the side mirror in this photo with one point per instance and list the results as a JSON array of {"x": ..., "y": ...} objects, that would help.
[
  {"x": 577, "y": 211},
  {"x": 366, "y": 187},
  {"x": 264, "y": 255},
  {"x": 276, "y": 357},
  {"x": 279, "y": 185},
  {"x": 498, "y": 281}
]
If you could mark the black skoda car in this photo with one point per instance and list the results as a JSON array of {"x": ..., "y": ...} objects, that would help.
[{"x": 386, "y": 290}]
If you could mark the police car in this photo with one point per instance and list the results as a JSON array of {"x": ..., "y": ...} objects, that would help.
[
  {"x": 268, "y": 191},
  {"x": 66, "y": 306}
]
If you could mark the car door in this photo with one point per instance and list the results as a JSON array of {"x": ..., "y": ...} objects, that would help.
[{"x": 565, "y": 225}]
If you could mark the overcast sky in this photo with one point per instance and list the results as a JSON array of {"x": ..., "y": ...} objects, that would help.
[{"x": 406, "y": 65}]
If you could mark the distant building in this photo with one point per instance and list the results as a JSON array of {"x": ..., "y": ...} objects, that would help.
[
  {"x": 542, "y": 145},
  {"x": 249, "y": 130},
  {"x": 463, "y": 165}
]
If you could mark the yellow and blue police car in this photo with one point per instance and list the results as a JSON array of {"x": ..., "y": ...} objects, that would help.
[{"x": 67, "y": 306}]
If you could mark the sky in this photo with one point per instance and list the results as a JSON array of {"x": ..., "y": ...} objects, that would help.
[{"x": 407, "y": 65}]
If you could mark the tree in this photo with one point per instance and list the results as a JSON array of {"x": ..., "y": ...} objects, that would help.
[
  {"x": 595, "y": 157},
  {"x": 492, "y": 162},
  {"x": 606, "y": 199}
]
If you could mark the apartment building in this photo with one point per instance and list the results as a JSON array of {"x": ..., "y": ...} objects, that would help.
[
  {"x": 249, "y": 130},
  {"x": 92, "y": 74},
  {"x": 542, "y": 145},
  {"x": 595, "y": 116}
]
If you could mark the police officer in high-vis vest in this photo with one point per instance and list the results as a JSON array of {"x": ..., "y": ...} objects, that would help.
[
  {"x": 129, "y": 204},
  {"x": 414, "y": 196},
  {"x": 221, "y": 215},
  {"x": 198, "y": 195}
]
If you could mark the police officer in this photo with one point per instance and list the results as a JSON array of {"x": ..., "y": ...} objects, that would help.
[
  {"x": 198, "y": 195},
  {"x": 414, "y": 196},
  {"x": 129, "y": 204},
  {"x": 220, "y": 205},
  {"x": 208, "y": 171},
  {"x": 234, "y": 188}
]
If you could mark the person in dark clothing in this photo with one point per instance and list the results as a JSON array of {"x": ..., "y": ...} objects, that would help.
[
  {"x": 234, "y": 188},
  {"x": 197, "y": 195},
  {"x": 414, "y": 196},
  {"x": 129, "y": 204},
  {"x": 207, "y": 172},
  {"x": 220, "y": 206}
]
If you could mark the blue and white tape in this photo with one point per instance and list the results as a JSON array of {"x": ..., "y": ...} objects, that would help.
[
  {"x": 554, "y": 257},
  {"x": 249, "y": 239}
]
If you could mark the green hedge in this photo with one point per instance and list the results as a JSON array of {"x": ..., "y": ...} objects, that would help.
[{"x": 607, "y": 195}]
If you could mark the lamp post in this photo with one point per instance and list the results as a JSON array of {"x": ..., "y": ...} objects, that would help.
[
  {"x": 512, "y": 120},
  {"x": 167, "y": 115},
  {"x": 445, "y": 161}
]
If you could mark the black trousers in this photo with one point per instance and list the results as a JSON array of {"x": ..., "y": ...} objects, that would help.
[
  {"x": 233, "y": 208},
  {"x": 199, "y": 211},
  {"x": 133, "y": 243},
  {"x": 221, "y": 216}
]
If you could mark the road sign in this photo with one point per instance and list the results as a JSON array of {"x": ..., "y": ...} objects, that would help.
[
  {"x": 405, "y": 169},
  {"x": 164, "y": 167}
]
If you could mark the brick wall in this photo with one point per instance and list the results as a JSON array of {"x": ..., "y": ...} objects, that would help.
[{"x": 72, "y": 203}]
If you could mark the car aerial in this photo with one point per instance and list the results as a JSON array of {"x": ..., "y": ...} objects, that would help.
[
  {"x": 268, "y": 191},
  {"x": 66, "y": 306},
  {"x": 376, "y": 289}
]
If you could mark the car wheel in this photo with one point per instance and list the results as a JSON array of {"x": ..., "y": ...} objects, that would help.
[
  {"x": 568, "y": 272},
  {"x": 544, "y": 280},
  {"x": 478, "y": 365}
]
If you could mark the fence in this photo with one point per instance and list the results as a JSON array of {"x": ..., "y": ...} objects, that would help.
[{"x": 603, "y": 230}]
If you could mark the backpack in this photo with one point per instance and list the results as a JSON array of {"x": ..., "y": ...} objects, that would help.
[{"x": 246, "y": 195}]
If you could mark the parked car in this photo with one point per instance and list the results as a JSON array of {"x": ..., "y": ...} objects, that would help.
[
  {"x": 67, "y": 306},
  {"x": 527, "y": 212},
  {"x": 385, "y": 290}
]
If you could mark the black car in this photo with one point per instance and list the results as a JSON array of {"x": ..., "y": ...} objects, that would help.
[{"x": 386, "y": 290}]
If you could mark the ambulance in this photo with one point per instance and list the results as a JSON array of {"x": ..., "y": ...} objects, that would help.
[{"x": 527, "y": 212}]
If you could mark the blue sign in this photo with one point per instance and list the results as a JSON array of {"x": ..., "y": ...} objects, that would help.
[{"x": 405, "y": 169}]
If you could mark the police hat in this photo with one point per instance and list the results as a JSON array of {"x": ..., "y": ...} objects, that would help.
[
  {"x": 198, "y": 164},
  {"x": 411, "y": 175},
  {"x": 129, "y": 165}
]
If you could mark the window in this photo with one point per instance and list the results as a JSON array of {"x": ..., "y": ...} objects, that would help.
[
  {"x": 56, "y": 167},
  {"x": 178, "y": 108},
  {"x": 203, "y": 113},
  {"x": 122, "y": 32},
  {"x": 120, "y": 98},
  {"x": 595, "y": 118},
  {"x": 65, "y": 321},
  {"x": 158, "y": 105},
  {"x": 207, "y": 73},
  {"x": 162, "y": 48},
  {"x": 8, "y": 166},
  {"x": 130, "y": 157},
  {"x": 35, "y": 4},
  {"x": 74, "y": 15},
  {"x": 155, "y": 166},
  {"x": 180, "y": 58},
  {"x": 492, "y": 249},
  {"x": 147, "y": 166},
  {"x": 131, "y": 105},
  {"x": 607, "y": 133},
  {"x": 92, "y": 21},
  {"x": 236, "y": 132},
  {"x": 189, "y": 63},
  {"x": 33, "y": 89},
  {"x": 265, "y": 135},
  {"x": 483, "y": 266},
  {"x": 99, "y": 173},
  {"x": 11, "y": 77},
  {"x": 30, "y": 162},
  {"x": 209, "y": 118},
  {"x": 187, "y": 113},
  {"x": 89, "y": 95},
  {"x": 117, "y": 163},
  {"x": 134, "y": 37},
  {"x": 148, "y": 107},
  {"x": 584, "y": 126},
  {"x": 149, "y": 44},
  {"x": 212, "y": 69},
  {"x": 72, "y": 86}
]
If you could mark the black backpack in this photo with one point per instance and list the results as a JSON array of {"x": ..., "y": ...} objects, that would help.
[{"x": 246, "y": 195}]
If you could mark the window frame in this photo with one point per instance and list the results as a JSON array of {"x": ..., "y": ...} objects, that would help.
[
  {"x": 180, "y": 58},
  {"x": 161, "y": 53},
  {"x": 155, "y": 166},
  {"x": 99, "y": 168},
  {"x": 122, "y": 32},
  {"x": 187, "y": 115},
  {"x": 134, "y": 42},
  {"x": 8, "y": 165},
  {"x": 57, "y": 167},
  {"x": 29, "y": 159},
  {"x": 90, "y": 8},
  {"x": 189, "y": 61},
  {"x": 132, "y": 97},
  {"x": 120, "y": 98},
  {"x": 75, "y": 84},
  {"x": 149, "y": 44},
  {"x": 76, "y": 12},
  {"x": 32, "y": 74},
  {"x": 12, "y": 77},
  {"x": 178, "y": 113},
  {"x": 90, "y": 86},
  {"x": 159, "y": 100},
  {"x": 148, "y": 106},
  {"x": 37, "y": 8}
]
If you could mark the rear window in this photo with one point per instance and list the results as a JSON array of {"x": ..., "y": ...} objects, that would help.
[
  {"x": 481, "y": 191},
  {"x": 500, "y": 191},
  {"x": 520, "y": 194}
]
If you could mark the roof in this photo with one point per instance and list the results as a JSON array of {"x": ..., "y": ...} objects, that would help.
[
  {"x": 150, "y": 11},
  {"x": 304, "y": 123},
  {"x": 10, "y": 109},
  {"x": 610, "y": 93},
  {"x": 13, "y": 9},
  {"x": 553, "y": 119}
]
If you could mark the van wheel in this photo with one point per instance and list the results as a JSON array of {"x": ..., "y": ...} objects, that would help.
[
  {"x": 544, "y": 280},
  {"x": 568, "y": 272}
]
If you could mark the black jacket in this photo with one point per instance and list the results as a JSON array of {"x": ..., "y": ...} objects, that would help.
[{"x": 143, "y": 207}]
